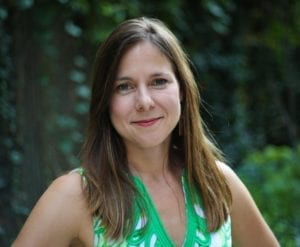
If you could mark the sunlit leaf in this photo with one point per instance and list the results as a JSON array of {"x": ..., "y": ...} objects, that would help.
[
  {"x": 77, "y": 76},
  {"x": 73, "y": 29}
]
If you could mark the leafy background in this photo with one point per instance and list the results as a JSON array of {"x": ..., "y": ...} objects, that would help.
[{"x": 246, "y": 60}]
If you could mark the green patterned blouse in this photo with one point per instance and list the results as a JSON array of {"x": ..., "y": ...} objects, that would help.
[{"x": 148, "y": 230}]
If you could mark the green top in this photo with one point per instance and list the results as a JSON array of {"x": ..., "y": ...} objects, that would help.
[{"x": 148, "y": 229}]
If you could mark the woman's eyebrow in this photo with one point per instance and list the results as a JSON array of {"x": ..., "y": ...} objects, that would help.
[
  {"x": 128, "y": 78},
  {"x": 123, "y": 78},
  {"x": 159, "y": 74}
]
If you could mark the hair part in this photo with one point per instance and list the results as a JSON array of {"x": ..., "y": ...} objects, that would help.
[{"x": 109, "y": 189}]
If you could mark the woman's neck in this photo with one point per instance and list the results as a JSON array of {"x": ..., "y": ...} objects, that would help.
[{"x": 150, "y": 162}]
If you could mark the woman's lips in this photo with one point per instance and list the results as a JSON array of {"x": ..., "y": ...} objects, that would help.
[{"x": 146, "y": 122}]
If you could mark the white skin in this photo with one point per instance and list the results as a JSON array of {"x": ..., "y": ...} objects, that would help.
[{"x": 145, "y": 108}]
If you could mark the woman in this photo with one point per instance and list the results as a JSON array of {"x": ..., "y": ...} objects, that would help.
[{"x": 150, "y": 175}]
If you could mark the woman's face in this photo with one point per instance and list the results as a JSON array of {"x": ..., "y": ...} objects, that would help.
[{"x": 145, "y": 105}]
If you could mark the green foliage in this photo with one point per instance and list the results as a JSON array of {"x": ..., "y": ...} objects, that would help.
[
  {"x": 10, "y": 154},
  {"x": 272, "y": 175}
]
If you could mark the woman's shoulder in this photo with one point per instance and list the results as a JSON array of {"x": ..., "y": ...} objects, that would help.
[
  {"x": 66, "y": 194},
  {"x": 68, "y": 187},
  {"x": 225, "y": 169},
  {"x": 69, "y": 183},
  {"x": 59, "y": 214},
  {"x": 248, "y": 226},
  {"x": 237, "y": 188},
  {"x": 231, "y": 177}
]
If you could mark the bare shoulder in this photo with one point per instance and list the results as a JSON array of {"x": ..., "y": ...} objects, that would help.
[
  {"x": 226, "y": 170},
  {"x": 235, "y": 184},
  {"x": 64, "y": 191},
  {"x": 248, "y": 226},
  {"x": 68, "y": 184},
  {"x": 57, "y": 218}
]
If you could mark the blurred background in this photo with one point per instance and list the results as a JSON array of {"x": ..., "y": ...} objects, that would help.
[{"x": 246, "y": 56}]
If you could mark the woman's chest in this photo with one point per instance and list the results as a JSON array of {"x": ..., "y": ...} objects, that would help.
[
  {"x": 164, "y": 219},
  {"x": 169, "y": 209}
]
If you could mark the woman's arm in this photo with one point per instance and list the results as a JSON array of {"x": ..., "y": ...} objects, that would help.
[
  {"x": 248, "y": 226},
  {"x": 58, "y": 216}
]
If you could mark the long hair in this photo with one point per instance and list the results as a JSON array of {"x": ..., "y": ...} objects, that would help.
[{"x": 109, "y": 190}]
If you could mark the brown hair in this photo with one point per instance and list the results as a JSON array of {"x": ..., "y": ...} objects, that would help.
[{"x": 109, "y": 189}]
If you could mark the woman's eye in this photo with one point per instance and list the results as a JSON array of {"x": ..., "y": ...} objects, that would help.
[
  {"x": 124, "y": 88},
  {"x": 160, "y": 83}
]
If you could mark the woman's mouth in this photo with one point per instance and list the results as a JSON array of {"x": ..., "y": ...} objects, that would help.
[{"x": 146, "y": 122}]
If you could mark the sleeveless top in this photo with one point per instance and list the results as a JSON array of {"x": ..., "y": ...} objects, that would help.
[{"x": 148, "y": 230}]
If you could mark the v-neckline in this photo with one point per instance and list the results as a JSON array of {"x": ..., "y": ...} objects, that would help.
[{"x": 154, "y": 214}]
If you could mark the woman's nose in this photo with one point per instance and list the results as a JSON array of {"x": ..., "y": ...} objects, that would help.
[{"x": 144, "y": 100}]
